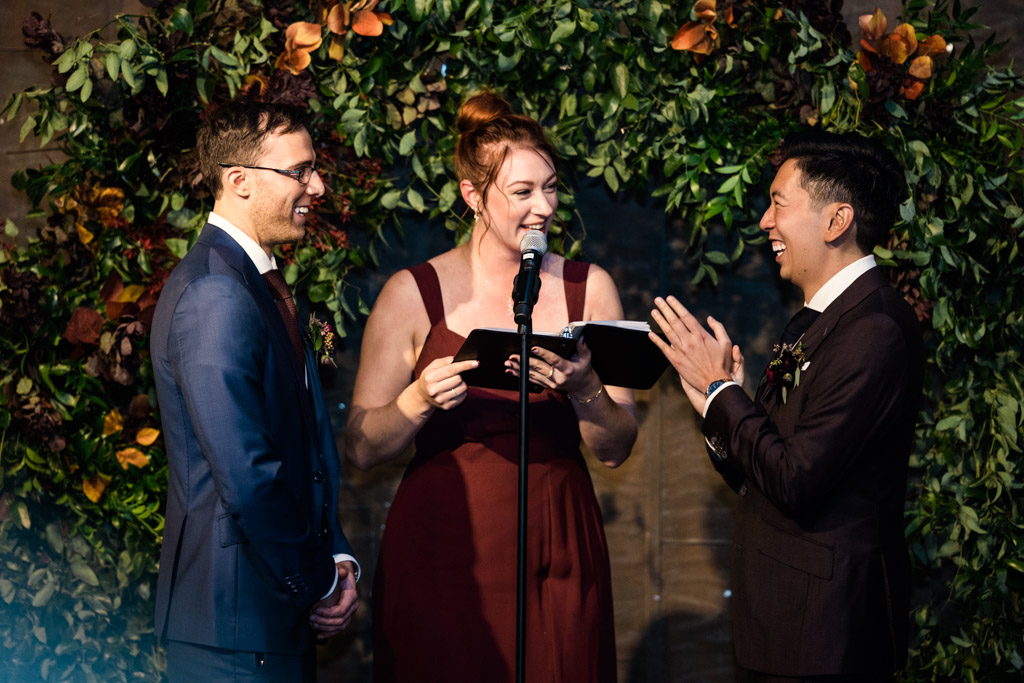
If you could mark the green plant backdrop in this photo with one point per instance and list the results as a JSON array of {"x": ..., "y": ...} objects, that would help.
[{"x": 686, "y": 101}]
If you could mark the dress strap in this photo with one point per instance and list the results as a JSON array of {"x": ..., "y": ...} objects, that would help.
[
  {"x": 430, "y": 291},
  {"x": 574, "y": 275}
]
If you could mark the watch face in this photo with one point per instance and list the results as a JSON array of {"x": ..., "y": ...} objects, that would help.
[{"x": 714, "y": 385}]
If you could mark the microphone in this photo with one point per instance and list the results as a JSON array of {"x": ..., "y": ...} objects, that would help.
[{"x": 526, "y": 286}]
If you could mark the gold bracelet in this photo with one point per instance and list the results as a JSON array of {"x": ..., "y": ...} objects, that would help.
[{"x": 590, "y": 399}]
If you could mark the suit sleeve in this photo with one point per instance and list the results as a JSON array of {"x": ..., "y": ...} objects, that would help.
[
  {"x": 855, "y": 381},
  {"x": 219, "y": 352}
]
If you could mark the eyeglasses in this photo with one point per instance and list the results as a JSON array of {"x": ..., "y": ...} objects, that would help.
[{"x": 302, "y": 175}]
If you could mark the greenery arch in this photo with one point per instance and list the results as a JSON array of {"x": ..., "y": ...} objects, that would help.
[{"x": 685, "y": 99}]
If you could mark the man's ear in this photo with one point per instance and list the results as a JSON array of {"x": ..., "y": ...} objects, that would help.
[
  {"x": 840, "y": 223},
  {"x": 236, "y": 181},
  {"x": 470, "y": 196}
]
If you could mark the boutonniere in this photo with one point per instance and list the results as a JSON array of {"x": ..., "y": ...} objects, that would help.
[
  {"x": 785, "y": 366},
  {"x": 322, "y": 336}
]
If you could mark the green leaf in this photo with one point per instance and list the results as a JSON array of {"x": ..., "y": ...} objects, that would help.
[
  {"x": 563, "y": 29},
  {"x": 390, "y": 199},
  {"x": 620, "y": 80},
  {"x": 415, "y": 200},
  {"x": 78, "y": 78},
  {"x": 408, "y": 143},
  {"x": 43, "y": 595},
  {"x": 113, "y": 65},
  {"x": 84, "y": 573},
  {"x": 177, "y": 246},
  {"x": 181, "y": 20},
  {"x": 128, "y": 49},
  {"x": 10, "y": 229}
]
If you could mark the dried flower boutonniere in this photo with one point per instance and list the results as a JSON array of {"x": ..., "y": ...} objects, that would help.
[
  {"x": 785, "y": 366},
  {"x": 322, "y": 336}
]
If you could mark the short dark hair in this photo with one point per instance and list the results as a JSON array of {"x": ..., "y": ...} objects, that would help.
[
  {"x": 234, "y": 133},
  {"x": 850, "y": 168}
]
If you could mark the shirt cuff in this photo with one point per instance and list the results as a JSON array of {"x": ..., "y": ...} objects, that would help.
[
  {"x": 715, "y": 393},
  {"x": 342, "y": 557}
]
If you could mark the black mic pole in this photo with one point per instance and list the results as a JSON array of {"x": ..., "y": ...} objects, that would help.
[{"x": 524, "y": 296}]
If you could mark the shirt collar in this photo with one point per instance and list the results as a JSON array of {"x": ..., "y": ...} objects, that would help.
[
  {"x": 838, "y": 283},
  {"x": 256, "y": 254}
]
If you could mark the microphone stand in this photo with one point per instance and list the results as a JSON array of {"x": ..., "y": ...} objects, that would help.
[
  {"x": 525, "y": 330},
  {"x": 524, "y": 296}
]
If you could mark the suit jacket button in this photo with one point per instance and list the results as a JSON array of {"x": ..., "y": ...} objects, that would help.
[
  {"x": 743, "y": 490},
  {"x": 318, "y": 476}
]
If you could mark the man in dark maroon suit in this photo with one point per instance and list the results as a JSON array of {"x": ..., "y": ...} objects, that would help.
[{"x": 819, "y": 457}]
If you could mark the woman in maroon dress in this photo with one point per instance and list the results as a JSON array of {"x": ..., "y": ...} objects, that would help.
[{"x": 444, "y": 595}]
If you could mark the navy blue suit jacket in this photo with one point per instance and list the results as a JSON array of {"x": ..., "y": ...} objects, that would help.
[
  {"x": 820, "y": 568},
  {"x": 251, "y": 521}
]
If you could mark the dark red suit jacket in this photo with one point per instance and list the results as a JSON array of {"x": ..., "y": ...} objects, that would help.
[{"x": 820, "y": 568}]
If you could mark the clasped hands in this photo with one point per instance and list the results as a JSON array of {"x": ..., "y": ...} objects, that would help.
[
  {"x": 699, "y": 357},
  {"x": 331, "y": 615}
]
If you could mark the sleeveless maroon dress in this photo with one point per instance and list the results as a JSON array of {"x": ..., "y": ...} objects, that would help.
[{"x": 444, "y": 594}]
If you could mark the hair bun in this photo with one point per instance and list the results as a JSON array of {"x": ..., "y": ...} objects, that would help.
[{"x": 480, "y": 109}]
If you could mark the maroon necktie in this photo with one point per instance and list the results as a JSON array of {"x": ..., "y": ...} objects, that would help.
[{"x": 286, "y": 306}]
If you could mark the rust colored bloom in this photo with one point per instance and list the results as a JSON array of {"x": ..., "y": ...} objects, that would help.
[
  {"x": 84, "y": 327},
  {"x": 700, "y": 35},
  {"x": 899, "y": 52},
  {"x": 360, "y": 16},
  {"x": 301, "y": 38}
]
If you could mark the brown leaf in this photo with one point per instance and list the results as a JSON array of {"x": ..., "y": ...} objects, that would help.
[
  {"x": 132, "y": 456},
  {"x": 338, "y": 19},
  {"x": 139, "y": 406},
  {"x": 85, "y": 326},
  {"x": 932, "y": 46},
  {"x": 336, "y": 51},
  {"x": 873, "y": 26},
  {"x": 912, "y": 88},
  {"x": 303, "y": 35},
  {"x": 689, "y": 36},
  {"x": 95, "y": 486},
  {"x": 895, "y": 48},
  {"x": 366, "y": 23},
  {"x": 921, "y": 67},
  {"x": 146, "y": 436},
  {"x": 112, "y": 422},
  {"x": 909, "y": 36}
]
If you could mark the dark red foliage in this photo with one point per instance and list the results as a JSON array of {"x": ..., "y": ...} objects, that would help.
[
  {"x": 39, "y": 35},
  {"x": 19, "y": 300},
  {"x": 85, "y": 327}
]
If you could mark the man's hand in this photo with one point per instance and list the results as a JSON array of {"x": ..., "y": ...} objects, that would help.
[
  {"x": 696, "y": 355},
  {"x": 332, "y": 614}
]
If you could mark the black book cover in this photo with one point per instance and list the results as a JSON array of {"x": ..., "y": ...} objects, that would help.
[{"x": 621, "y": 353}]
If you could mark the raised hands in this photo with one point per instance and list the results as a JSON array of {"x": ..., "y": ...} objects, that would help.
[{"x": 697, "y": 356}]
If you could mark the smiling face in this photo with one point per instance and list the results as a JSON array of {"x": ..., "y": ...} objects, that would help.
[
  {"x": 796, "y": 230},
  {"x": 524, "y": 196},
  {"x": 279, "y": 205}
]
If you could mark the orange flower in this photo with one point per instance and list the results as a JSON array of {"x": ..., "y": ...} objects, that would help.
[
  {"x": 700, "y": 36},
  {"x": 361, "y": 17},
  {"x": 898, "y": 47},
  {"x": 301, "y": 38}
]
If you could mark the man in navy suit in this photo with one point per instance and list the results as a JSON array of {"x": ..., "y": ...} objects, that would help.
[
  {"x": 254, "y": 566},
  {"x": 819, "y": 458}
]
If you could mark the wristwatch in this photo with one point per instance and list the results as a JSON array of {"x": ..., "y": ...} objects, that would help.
[{"x": 713, "y": 387}]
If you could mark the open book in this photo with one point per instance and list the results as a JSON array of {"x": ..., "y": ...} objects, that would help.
[{"x": 621, "y": 353}]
